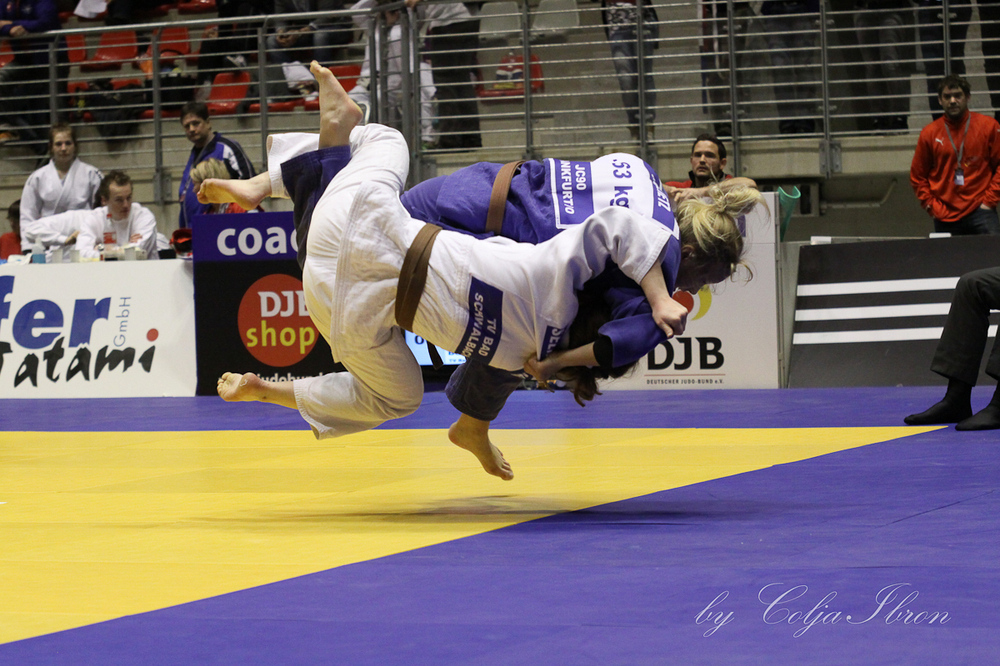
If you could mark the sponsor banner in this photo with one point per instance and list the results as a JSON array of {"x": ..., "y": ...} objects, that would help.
[
  {"x": 731, "y": 339},
  {"x": 97, "y": 330},
  {"x": 250, "y": 312},
  {"x": 870, "y": 314},
  {"x": 244, "y": 237}
]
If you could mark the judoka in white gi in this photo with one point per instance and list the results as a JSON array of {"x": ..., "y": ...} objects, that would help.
[
  {"x": 65, "y": 183},
  {"x": 119, "y": 220},
  {"x": 505, "y": 303}
]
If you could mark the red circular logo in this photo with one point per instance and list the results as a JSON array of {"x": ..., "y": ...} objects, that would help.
[
  {"x": 685, "y": 299},
  {"x": 274, "y": 324}
]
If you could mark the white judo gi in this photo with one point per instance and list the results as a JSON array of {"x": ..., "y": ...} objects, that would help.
[
  {"x": 45, "y": 194},
  {"x": 96, "y": 226},
  {"x": 494, "y": 299}
]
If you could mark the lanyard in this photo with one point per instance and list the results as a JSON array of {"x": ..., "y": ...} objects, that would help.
[{"x": 959, "y": 151}]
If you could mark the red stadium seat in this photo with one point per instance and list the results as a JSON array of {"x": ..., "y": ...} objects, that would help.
[
  {"x": 76, "y": 49},
  {"x": 175, "y": 44},
  {"x": 229, "y": 90},
  {"x": 149, "y": 115},
  {"x": 196, "y": 7},
  {"x": 115, "y": 48},
  {"x": 346, "y": 74},
  {"x": 6, "y": 55},
  {"x": 277, "y": 107},
  {"x": 155, "y": 11}
]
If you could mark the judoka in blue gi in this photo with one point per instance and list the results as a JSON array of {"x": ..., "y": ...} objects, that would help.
[{"x": 509, "y": 305}]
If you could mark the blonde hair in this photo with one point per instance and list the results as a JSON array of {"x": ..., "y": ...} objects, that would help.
[
  {"x": 210, "y": 168},
  {"x": 710, "y": 227}
]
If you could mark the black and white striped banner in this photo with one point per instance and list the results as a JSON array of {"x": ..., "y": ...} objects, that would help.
[{"x": 870, "y": 314}]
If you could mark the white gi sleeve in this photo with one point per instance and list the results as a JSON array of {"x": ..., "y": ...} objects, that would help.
[
  {"x": 144, "y": 223},
  {"x": 91, "y": 232},
  {"x": 281, "y": 148},
  {"x": 55, "y": 229},
  {"x": 387, "y": 157},
  {"x": 634, "y": 243}
]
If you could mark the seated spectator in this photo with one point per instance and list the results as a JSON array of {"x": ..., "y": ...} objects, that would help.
[
  {"x": 240, "y": 37},
  {"x": 216, "y": 54},
  {"x": 307, "y": 39},
  {"x": 118, "y": 222},
  {"x": 207, "y": 144},
  {"x": 65, "y": 183},
  {"x": 213, "y": 168},
  {"x": 960, "y": 351},
  {"x": 391, "y": 70},
  {"x": 10, "y": 242},
  {"x": 24, "y": 82},
  {"x": 708, "y": 159}
]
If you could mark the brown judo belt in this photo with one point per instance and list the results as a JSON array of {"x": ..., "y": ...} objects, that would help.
[
  {"x": 413, "y": 274},
  {"x": 412, "y": 278},
  {"x": 498, "y": 198}
]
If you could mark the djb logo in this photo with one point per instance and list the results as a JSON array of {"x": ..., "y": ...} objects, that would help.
[{"x": 274, "y": 324}]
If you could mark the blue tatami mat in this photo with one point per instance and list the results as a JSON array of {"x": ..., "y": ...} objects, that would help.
[{"x": 788, "y": 408}]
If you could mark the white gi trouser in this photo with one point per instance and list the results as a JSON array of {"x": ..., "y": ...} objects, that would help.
[
  {"x": 496, "y": 300},
  {"x": 383, "y": 382}
]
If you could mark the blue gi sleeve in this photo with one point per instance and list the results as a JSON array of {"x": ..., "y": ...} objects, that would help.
[
  {"x": 632, "y": 331},
  {"x": 632, "y": 335}
]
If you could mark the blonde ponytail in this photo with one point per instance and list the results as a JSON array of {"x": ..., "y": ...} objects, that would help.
[{"x": 710, "y": 227}]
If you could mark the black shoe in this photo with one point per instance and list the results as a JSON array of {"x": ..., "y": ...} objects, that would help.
[
  {"x": 986, "y": 419},
  {"x": 940, "y": 413}
]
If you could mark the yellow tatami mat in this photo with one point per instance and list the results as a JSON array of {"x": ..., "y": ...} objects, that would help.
[{"x": 95, "y": 526}]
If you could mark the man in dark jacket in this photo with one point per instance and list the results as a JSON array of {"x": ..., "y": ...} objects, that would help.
[{"x": 24, "y": 82}]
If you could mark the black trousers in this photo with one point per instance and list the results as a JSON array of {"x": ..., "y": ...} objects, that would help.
[
  {"x": 963, "y": 341},
  {"x": 452, "y": 49}
]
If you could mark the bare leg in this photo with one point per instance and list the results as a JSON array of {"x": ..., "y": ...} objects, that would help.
[
  {"x": 234, "y": 387},
  {"x": 338, "y": 114},
  {"x": 245, "y": 193},
  {"x": 473, "y": 435}
]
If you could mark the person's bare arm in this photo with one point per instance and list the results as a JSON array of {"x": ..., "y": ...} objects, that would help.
[
  {"x": 547, "y": 368},
  {"x": 668, "y": 314}
]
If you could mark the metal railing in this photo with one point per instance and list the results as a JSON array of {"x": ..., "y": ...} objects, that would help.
[{"x": 724, "y": 67}]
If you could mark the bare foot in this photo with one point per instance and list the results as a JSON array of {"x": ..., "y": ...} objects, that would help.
[
  {"x": 338, "y": 114},
  {"x": 245, "y": 193},
  {"x": 473, "y": 436},
  {"x": 234, "y": 387}
]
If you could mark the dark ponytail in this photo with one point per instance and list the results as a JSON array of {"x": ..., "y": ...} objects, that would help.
[{"x": 593, "y": 313}]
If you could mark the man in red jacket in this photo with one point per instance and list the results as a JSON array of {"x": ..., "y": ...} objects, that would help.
[{"x": 956, "y": 166}]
